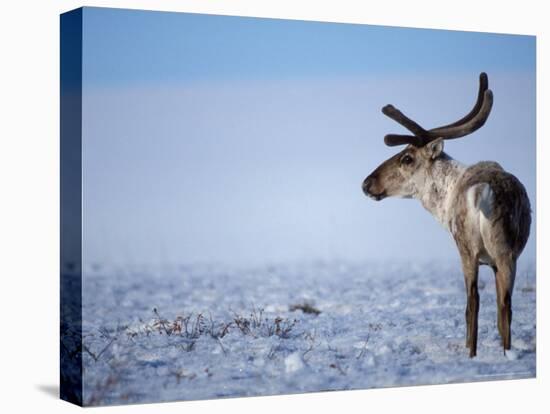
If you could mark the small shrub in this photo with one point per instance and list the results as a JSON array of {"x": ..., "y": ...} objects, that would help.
[
  {"x": 192, "y": 327},
  {"x": 256, "y": 325}
]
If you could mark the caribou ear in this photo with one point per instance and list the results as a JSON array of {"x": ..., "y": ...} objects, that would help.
[{"x": 434, "y": 148}]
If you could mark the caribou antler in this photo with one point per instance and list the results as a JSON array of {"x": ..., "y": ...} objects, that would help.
[{"x": 464, "y": 126}]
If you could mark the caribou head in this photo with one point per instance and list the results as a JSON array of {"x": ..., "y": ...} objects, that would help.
[{"x": 405, "y": 174}]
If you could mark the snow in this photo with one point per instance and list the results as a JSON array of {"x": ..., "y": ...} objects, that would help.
[
  {"x": 294, "y": 363},
  {"x": 379, "y": 325}
]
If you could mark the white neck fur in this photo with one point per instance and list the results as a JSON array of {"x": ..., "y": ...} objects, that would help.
[{"x": 436, "y": 190}]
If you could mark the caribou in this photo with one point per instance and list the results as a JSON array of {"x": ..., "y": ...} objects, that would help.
[{"x": 485, "y": 208}]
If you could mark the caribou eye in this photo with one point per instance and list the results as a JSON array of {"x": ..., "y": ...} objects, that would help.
[{"x": 406, "y": 159}]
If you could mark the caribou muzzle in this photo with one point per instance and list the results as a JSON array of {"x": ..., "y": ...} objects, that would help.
[{"x": 369, "y": 188}]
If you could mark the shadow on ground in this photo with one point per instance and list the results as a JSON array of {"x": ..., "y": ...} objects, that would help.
[{"x": 51, "y": 390}]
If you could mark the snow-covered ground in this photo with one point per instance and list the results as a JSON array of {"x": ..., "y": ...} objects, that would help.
[{"x": 196, "y": 332}]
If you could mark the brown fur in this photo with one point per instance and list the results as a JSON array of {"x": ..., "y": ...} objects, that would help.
[
  {"x": 498, "y": 243},
  {"x": 511, "y": 218}
]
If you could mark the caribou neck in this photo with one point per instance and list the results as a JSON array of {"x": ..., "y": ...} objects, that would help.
[{"x": 436, "y": 192}]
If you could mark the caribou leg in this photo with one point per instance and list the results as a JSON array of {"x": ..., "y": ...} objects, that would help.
[
  {"x": 470, "y": 268},
  {"x": 505, "y": 276}
]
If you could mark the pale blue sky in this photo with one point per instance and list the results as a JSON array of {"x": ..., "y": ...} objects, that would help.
[{"x": 241, "y": 140}]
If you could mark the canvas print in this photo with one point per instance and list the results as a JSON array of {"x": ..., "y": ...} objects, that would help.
[{"x": 257, "y": 206}]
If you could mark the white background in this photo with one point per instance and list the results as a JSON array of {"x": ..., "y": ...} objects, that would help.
[{"x": 29, "y": 207}]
